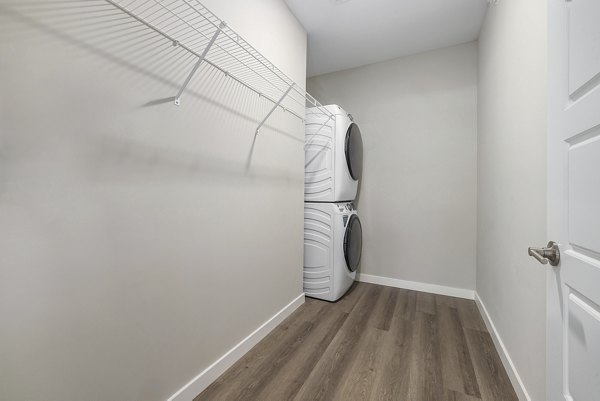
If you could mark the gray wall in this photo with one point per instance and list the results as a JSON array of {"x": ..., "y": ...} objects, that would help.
[
  {"x": 512, "y": 181},
  {"x": 139, "y": 241},
  {"x": 418, "y": 116}
]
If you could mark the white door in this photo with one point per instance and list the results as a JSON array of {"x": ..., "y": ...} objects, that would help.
[{"x": 573, "y": 357}]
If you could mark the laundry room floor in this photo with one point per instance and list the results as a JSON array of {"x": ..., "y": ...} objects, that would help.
[{"x": 376, "y": 343}]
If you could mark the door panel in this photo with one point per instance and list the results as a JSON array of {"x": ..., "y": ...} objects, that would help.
[
  {"x": 584, "y": 193},
  {"x": 574, "y": 200},
  {"x": 584, "y": 46},
  {"x": 582, "y": 331}
]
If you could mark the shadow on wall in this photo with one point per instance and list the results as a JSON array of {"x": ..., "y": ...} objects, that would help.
[
  {"x": 132, "y": 57},
  {"x": 127, "y": 223}
]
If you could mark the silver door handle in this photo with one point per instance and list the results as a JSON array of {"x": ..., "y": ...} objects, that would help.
[{"x": 549, "y": 254}]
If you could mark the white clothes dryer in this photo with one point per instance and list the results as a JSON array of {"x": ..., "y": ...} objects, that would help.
[
  {"x": 333, "y": 155},
  {"x": 332, "y": 249}
]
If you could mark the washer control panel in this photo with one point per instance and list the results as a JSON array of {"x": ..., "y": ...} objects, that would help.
[{"x": 345, "y": 207}]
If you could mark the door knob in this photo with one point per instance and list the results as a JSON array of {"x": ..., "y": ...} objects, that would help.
[{"x": 544, "y": 255}]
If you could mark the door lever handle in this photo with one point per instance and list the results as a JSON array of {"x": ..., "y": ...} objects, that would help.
[{"x": 550, "y": 254}]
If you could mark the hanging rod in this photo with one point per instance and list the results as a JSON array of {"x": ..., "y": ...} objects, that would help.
[{"x": 188, "y": 24}]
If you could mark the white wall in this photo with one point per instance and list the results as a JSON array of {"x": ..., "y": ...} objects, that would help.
[
  {"x": 138, "y": 241},
  {"x": 512, "y": 181},
  {"x": 418, "y": 194}
]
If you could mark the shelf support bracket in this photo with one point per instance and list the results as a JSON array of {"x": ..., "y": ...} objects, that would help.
[
  {"x": 198, "y": 63},
  {"x": 274, "y": 108}
]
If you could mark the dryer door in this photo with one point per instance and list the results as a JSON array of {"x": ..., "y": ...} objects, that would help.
[
  {"x": 354, "y": 151},
  {"x": 353, "y": 243}
]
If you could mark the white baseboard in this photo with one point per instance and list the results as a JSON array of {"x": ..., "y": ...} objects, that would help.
[
  {"x": 509, "y": 366},
  {"x": 416, "y": 286},
  {"x": 210, "y": 374}
]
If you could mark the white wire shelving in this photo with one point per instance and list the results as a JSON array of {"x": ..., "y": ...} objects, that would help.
[{"x": 190, "y": 25}]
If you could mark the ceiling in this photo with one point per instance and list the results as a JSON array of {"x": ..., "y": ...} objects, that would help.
[{"x": 344, "y": 34}]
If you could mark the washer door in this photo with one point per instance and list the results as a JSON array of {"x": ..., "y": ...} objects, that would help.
[
  {"x": 353, "y": 243},
  {"x": 354, "y": 151}
]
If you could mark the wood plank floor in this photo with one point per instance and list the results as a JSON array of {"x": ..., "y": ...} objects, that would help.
[{"x": 376, "y": 343}]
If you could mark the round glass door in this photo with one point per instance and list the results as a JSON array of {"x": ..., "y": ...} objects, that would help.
[
  {"x": 353, "y": 243},
  {"x": 354, "y": 151}
]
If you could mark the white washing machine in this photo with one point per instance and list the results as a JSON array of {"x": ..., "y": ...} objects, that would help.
[
  {"x": 332, "y": 249},
  {"x": 333, "y": 156}
]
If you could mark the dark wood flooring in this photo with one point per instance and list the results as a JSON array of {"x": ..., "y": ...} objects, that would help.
[{"x": 376, "y": 343}]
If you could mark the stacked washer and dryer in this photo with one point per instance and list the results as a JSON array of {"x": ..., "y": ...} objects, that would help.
[{"x": 332, "y": 229}]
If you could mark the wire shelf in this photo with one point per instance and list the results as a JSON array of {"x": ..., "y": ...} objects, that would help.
[{"x": 190, "y": 25}]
